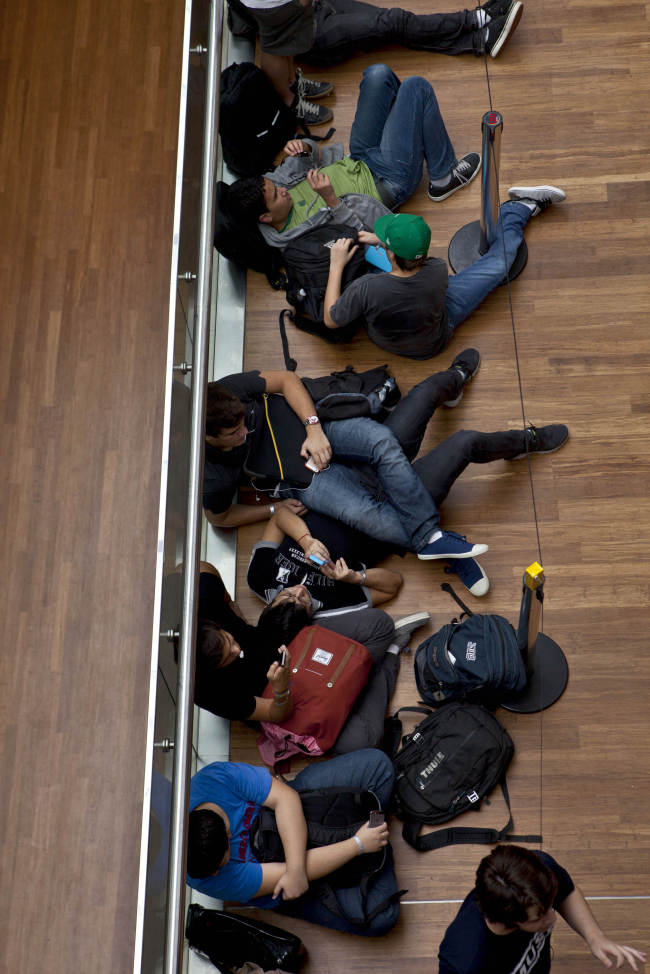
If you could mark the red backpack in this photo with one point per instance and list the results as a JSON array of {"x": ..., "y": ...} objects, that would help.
[{"x": 328, "y": 673}]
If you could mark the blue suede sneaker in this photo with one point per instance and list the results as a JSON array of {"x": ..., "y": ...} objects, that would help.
[
  {"x": 451, "y": 545},
  {"x": 471, "y": 575}
]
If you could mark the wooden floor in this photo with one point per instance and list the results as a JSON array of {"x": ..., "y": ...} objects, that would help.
[
  {"x": 89, "y": 97},
  {"x": 572, "y": 87}
]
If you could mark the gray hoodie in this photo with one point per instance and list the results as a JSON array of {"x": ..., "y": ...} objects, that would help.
[{"x": 354, "y": 210}]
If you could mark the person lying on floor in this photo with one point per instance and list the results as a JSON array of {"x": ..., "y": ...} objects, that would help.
[
  {"x": 414, "y": 309},
  {"x": 225, "y": 800},
  {"x": 342, "y": 28},
  {"x": 397, "y": 127},
  {"x": 235, "y": 661},
  {"x": 282, "y": 558}
]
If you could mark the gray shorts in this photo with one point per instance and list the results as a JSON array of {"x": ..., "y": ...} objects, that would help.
[{"x": 285, "y": 30}]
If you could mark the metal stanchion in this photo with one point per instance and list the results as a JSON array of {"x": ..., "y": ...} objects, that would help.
[
  {"x": 547, "y": 670},
  {"x": 474, "y": 239}
]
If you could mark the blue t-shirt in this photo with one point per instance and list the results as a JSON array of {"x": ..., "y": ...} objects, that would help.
[
  {"x": 239, "y": 789},
  {"x": 469, "y": 947}
]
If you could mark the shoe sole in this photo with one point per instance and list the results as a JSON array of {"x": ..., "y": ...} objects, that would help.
[
  {"x": 454, "y": 402},
  {"x": 479, "y": 588},
  {"x": 416, "y": 617},
  {"x": 512, "y": 19},
  {"x": 439, "y": 199},
  {"x": 478, "y": 549},
  {"x": 536, "y": 193},
  {"x": 321, "y": 121},
  {"x": 323, "y": 94},
  {"x": 553, "y": 449}
]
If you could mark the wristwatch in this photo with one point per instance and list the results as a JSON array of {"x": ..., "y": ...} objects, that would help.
[{"x": 312, "y": 421}]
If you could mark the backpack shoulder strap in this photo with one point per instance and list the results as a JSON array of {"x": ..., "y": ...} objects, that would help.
[
  {"x": 446, "y": 587},
  {"x": 459, "y": 835}
]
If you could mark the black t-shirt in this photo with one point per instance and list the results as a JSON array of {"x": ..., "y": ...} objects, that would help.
[
  {"x": 230, "y": 691},
  {"x": 469, "y": 947},
  {"x": 274, "y": 566},
  {"x": 222, "y": 471},
  {"x": 404, "y": 315}
]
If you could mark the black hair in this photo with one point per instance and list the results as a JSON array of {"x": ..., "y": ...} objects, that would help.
[
  {"x": 511, "y": 881},
  {"x": 246, "y": 198},
  {"x": 207, "y": 843},
  {"x": 224, "y": 410},
  {"x": 409, "y": 265},
  {"x": 279, "y": 624},
  {"x": 210, "y": 641}
]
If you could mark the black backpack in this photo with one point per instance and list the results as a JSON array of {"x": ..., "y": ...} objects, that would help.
[
  {"x": 244, "y": 244},
  {"x": 307, "y": 263},
  {"x": 476, "y": 659},
  {"x": 346, "y": 394},
  {"x": 254, "y": 122},
  {"x": 332, "y": 815},
  {"x": 448, "y": 765}
]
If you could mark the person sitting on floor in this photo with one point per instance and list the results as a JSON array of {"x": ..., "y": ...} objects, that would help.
[
  {"x": 401, "y": 512},
  {"x": 235, "y": 660},
  {"x": 225, "y": 799},
  {"x": 344, "y": 27},
  {"x": 281, "y": 558},
  {"x": 397, "y": 127},
  {"x": 505, "y": 922},
  {"x": 414, "y": 309}
]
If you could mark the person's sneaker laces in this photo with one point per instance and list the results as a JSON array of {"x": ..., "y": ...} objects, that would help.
[
  {"x": 462, "y": 174},
  {"x": 306, "y": 88},
  {"x": 406, "y": 626},
  {"x": 471, "y": 575},
  {"x": 541, "y": 196},
  {"x": 500, "y": 29},
  {"x": 305, "y": 111},
  {"x": 451, "y": 545},
  {"x": 544, "y": 439},
  {"x": 467, "y": 364}
]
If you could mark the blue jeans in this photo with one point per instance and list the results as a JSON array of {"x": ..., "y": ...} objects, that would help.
[
  {"x": 369, "y": 770},
  {"x": 343, "y": 27},
  {"x": 469, "y": 287},
  {"x": 403, "y": 515},
  {"x": 397, "y": 127}
]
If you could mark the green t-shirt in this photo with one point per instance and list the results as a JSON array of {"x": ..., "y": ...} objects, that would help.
[{"x": 346, "y": 176}]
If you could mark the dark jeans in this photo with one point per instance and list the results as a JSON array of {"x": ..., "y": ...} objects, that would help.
[
  {"x": 440, "y": 467},
  {"x": 344, "y": 27}
]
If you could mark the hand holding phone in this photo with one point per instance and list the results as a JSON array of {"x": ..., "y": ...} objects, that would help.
[
  {"x": 283, "y": 658},
  {"x": 312, "y": 465},
  {"x": 377, "y": 818},
  {"x": 316, "y": 560}
]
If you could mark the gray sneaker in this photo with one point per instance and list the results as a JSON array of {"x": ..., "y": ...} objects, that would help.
[
  {"x": 306, "y": 88},
  {"x": 541, "y": 196},
  {"x": 311, "y": 114},
  {"x": 406, "y": 626}
]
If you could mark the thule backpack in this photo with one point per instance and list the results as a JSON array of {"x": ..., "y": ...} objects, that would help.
[
  {"x": 307, "y": 264},
  {"x": 346, "y": 394},
  {"x": 477, "y": 659},
  {"x": 254, "y": 122},
  {"x": 448, "y": 765}
]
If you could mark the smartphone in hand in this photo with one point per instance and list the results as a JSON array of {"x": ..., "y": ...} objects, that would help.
[
  {"x": 377, "y": 818},
  {"x": 316, "y": 560},
  {"x": 283, "y": 658}
]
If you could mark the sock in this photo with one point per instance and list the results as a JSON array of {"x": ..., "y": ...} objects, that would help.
[
  {"x": 531, "y": 204},
  {"x": 434, "y": 537},
  {"x": 395, "y": 650},
  {"x": 443, "y": 180},
  {"x": 482, "y": 18}
]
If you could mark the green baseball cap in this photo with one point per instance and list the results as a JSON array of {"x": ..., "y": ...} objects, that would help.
[{"x": 405, "y": 234}]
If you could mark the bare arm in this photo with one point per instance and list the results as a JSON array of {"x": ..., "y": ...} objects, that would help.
[
  {"x": 578, "y": 915},
  {"x": 239, "y": 514},
  {"x": 316, "y": 444},
  {"x": 383, "y": 583},
  {"x": 323, "y": 861},
  {"x": 292, "y": 829},
  {"x": 277, "y": 708},
  {"x": 340, "y": 254}
]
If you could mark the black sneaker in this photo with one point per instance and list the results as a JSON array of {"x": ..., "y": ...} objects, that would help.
[
  {"x": 467, "y": 364},
  {"x": 544, "y": 439},
  {"x": 541, "y": 196},
  {"x": 462, "y": 174},
  {"x": 305, "y": 111},
  {"x": 499, "y": 8},
  {"x": 500, "y": 29},
  {"x": 306, "y": 88}
]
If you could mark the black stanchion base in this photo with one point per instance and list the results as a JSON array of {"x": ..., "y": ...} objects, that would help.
[
  {"x": 547, "y": 679},
  {"x": 463, "y": 250}
]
